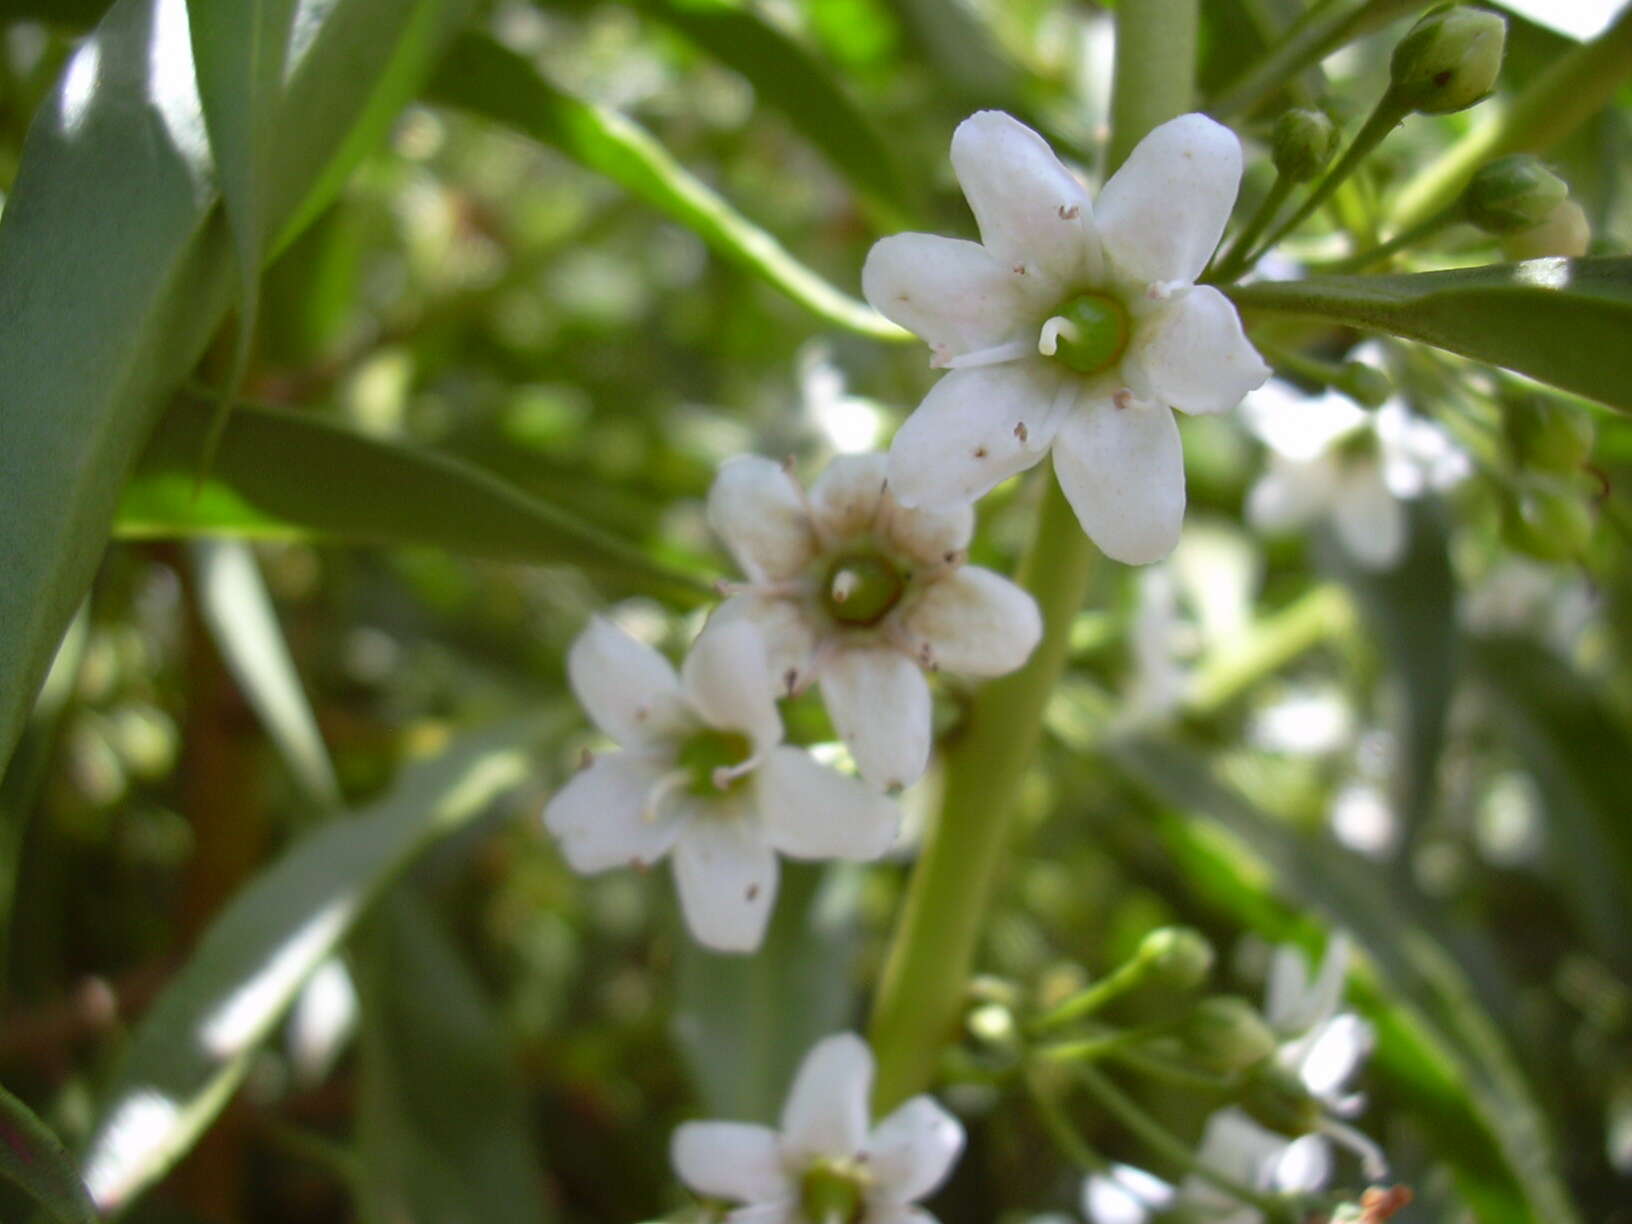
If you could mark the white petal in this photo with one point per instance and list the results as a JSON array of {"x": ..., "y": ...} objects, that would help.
[
  {"x": 1304, "y": 1167},
  {"x": 1031, "y": 211},
  {"x": 1288, "y": 495},
  {"x": 826, "y": 1110},
  {"x": 599, "y": 816},
  {"x": 955, "y": 294},
  {"x": 766, "y": 1213},
  {"x": 628, "y": 688},
  {"x": 912, "y": 1151},
  {"x": 727, "y": 677},
  {"x": 879, "y": 703},
  {"x": 810, "y": 811},
  {"x": 790, "y": 638},
  {"x": 758, "y": 510},
  {"x": 1122, "y": 469},
  {"x": 846, "y": 496},
  {"x": 726, "y": 877},
  {"x": 1162, "y": 213},
  {"x": 1369, "y": 520},
  {"x": 1193, "y": 354},
  {"x": 1286, "y": 995},
  {"x": 928, "y": 534},
  {"x": 899, "y": 1213},
  {"x": 1297, "y": 426},
  {"x": 977, "y": 623},
  {"x": 731, "y": 1160},
  {"x": 965, "y": 439},
  {"x": 1335, "y": 1051}
]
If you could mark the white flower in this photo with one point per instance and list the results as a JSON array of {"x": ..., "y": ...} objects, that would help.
[
  {"x": 1331, "y": 459},
  {"x": 703, "y": 771},
  {"x": 860, "y": 593},
  {"x": 1071, "y": 325},
  {"x": 824, "y": 1167},
  {"x": 1321, "y": 1045}
]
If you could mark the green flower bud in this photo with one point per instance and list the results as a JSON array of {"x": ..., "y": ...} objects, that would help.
[
  {"x": 1178, "y": 957},
  {"x": 1449, "y": 60},
  {"x": 1547, "y": 520},
  {"x": 1275, "y": 1098},
  {"x": 1513, "y": 193},
  {"x": 1565, "y": 231},
  {"x": 1365, "y": 384},
  {"x": 1548, "y": 434},
  {"x": 1226, "y": 1034},
  {"x": 1303, "y": 142}
]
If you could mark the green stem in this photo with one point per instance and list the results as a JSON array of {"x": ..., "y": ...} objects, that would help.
[
  {"x": 1385, "y": 117},
  {"x": 1573, "y": 89},
  {"x": 933, "y": 948},
  {"x": 1409, "y": 236},
  {"x": 1162, "y": 1141},
  {"x": 1090, "y": 999},
  {"x": 1235, "y": 262},
  {"x": 1061, "y": 1130}
]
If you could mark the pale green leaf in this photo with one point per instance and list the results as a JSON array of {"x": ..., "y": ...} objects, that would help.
[
  {"x": 292, "y": 475},
  {"x": 195, "y": 1045},
  {"x": 486, "y": 78},
  {"x": 32, "y": 1159},
  {"x": 1562, "y": 321}
]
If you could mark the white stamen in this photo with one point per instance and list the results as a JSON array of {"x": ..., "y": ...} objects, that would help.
[
  {"x": 724, "y": 775},
  {"x": 1048, "y": 340},
  {"x": 998, "y": 354},
  {"x": 665, "y": 786},
  {"x": 1372, "y": 1161},
  {"x": 845, "y": 583}
]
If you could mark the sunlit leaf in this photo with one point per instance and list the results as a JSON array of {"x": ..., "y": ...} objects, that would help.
[
  {"x": 32, "y": 1159},
  {"x": 1563, "y": 321},
  {"x": 291, "y": 475},
  {"x": 195, "y": 1045},
  {"x": 484, "y": 77},
  {"x": 442, "y": 1119}
]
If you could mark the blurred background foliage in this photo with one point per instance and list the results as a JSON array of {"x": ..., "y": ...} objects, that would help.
[{"x": 1438, "y": 758}]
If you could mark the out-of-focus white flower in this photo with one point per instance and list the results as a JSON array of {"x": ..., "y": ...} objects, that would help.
[
  {"x": 825, "y": 1165},
  {"x": 1522, "y": 596},
  {"x": 849, "y": 423},
  {"x": 1331, "y": 459},
  {"x": 1321, "y": 1045},
  {"x": 1071, "y": 325},
  {"x": 855, "y": 590},
  {"x": 702, "y": 771}
]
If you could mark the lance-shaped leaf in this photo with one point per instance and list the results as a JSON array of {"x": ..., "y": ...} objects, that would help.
[
  {"x": 195, "y": 1045},
  {"x": 32, "y": 1159},
  {"x": 115, "y": 268},
  {"x": 1563, "y": 321},
  {"x": 486, "y": 78},
  {"x": 292, "y": 475},
  {"x": 442, "y": 1114}
]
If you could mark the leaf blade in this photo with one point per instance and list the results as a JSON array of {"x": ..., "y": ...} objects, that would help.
[{"x": 34, "y": 1160}]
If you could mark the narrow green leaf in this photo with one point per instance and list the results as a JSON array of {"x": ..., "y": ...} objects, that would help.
[
  {"x": 194, "y": 1047},
  {"x": 486, "y": 78},
  {"x": 1487, "y": 1126},
  {"x": 442, "y": 1117},
  {"x": 1563, "y": 321},
  {"x": 239, "y": 53},
  {"x": 291, "y": 475},
  {"x": 745, "y": 1022},
  {"x": 115, "y": 269},
  {"x": 238, "y": 610},
  {"x": 32, "y": 1159}
]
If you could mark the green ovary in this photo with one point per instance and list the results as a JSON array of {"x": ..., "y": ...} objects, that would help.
[
  {"x": 861, "y": 587},
  {"x": 1093, "y": 333},
  {"x": 708, "y": 751},
  {"x": 833, "y": 1192}
]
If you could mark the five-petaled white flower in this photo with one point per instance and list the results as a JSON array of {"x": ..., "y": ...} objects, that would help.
[
  {"x": 703, "y": 771},
  {"x": 824, "y": 1167},
  {"x": 1332, "y": 460},
  {"x": 854, "y": 590},
  {"x": 1071, "y": 324}
]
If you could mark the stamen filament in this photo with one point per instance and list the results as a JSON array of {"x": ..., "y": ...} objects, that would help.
[
  {"x": 998, "y": 354},
  {"x": 1372, "y": 1160},
  {"x": 665, "y": 786}
]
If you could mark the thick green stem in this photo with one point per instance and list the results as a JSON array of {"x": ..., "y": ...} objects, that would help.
[
  {"x": 1571, "y": 91},
  {"x": 925, "y": 975}
]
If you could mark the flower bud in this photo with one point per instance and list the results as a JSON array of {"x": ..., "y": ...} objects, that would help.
[
  {"x": 1449, "y": 60},
  {"x": 1177, "y": 957},
  {"x": 1548, "y": 434},
  {"x": 1547, "y": 520},
  {"x": 1365, "y": 384},
  {"x": 1226, "y": 1034},
  {"x": 1276, "y": 1098},
  {"x": 1303, "y": 143},
  {"x": 1513, "y": 193},
  {"x": 1564, "y": 232}
]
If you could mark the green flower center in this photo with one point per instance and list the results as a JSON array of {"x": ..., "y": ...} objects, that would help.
[
  {"x": 708, "y": 751},
  {"x": 834, "y": 1192},
  {"x": 861, "y": 587},
  {"x": 1090, "y": 333}
]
